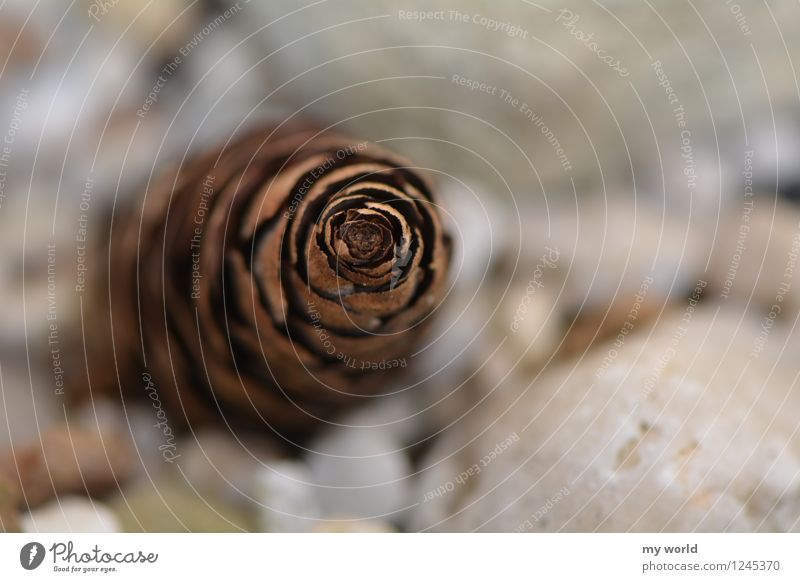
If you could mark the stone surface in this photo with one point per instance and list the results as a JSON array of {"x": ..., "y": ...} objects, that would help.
[
  {"x": 683, "y": 429},
  {"x": 73, "y": 515}
]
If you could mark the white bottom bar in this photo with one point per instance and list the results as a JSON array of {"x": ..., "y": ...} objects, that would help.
[{"x": 402, "y": 557}]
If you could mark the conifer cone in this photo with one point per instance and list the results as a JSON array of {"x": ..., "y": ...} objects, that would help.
[{"x": 273, "y": 282}]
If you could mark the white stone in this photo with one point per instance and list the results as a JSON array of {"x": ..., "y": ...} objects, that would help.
[
  {"x": 607, "y": 247},
  {"x": 482, "y": 232},
  {"x": 360, "y": 472},
  {"x": 73, "y": 515},
  {"x": 140, "y": 419},
  {"x": 399, "y": 415},
  {"x": 532, "y": 322},
  {"x": 699, "y": 438},
  {"x": 287, "y": 499}
]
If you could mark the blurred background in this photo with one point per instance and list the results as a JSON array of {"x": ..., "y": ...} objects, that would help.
[{"x": 621, "y": 180}]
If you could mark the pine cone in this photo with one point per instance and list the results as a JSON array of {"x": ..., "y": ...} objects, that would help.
[{"x": 274, "y": 280}]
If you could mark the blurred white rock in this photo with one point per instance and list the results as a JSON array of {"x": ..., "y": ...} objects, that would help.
[
  {"x": 483, "y": 232},
  {"x": 286, "y": 497},
  {"x": 140, "y": 420},
  {"x": 398, "y": 415},
  {"x": 532, "y": 322},
  {"x": 101, "y": 413},
  {"x": 608, "y": 246},
  {"x": 73, "y": 515},
  {"x": 360, "y": 472}
]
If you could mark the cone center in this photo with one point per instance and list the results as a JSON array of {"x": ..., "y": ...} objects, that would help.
[{"x": 363, "y": 239}]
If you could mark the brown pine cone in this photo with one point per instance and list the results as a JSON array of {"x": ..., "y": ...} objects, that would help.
[{"x": 273, "y": 281}]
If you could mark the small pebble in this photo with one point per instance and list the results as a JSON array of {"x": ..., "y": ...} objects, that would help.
[
  {"x": 360, "y": 472},
  {"x": 288, "y": 500},
  {"x": 71, "y": 514}
]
